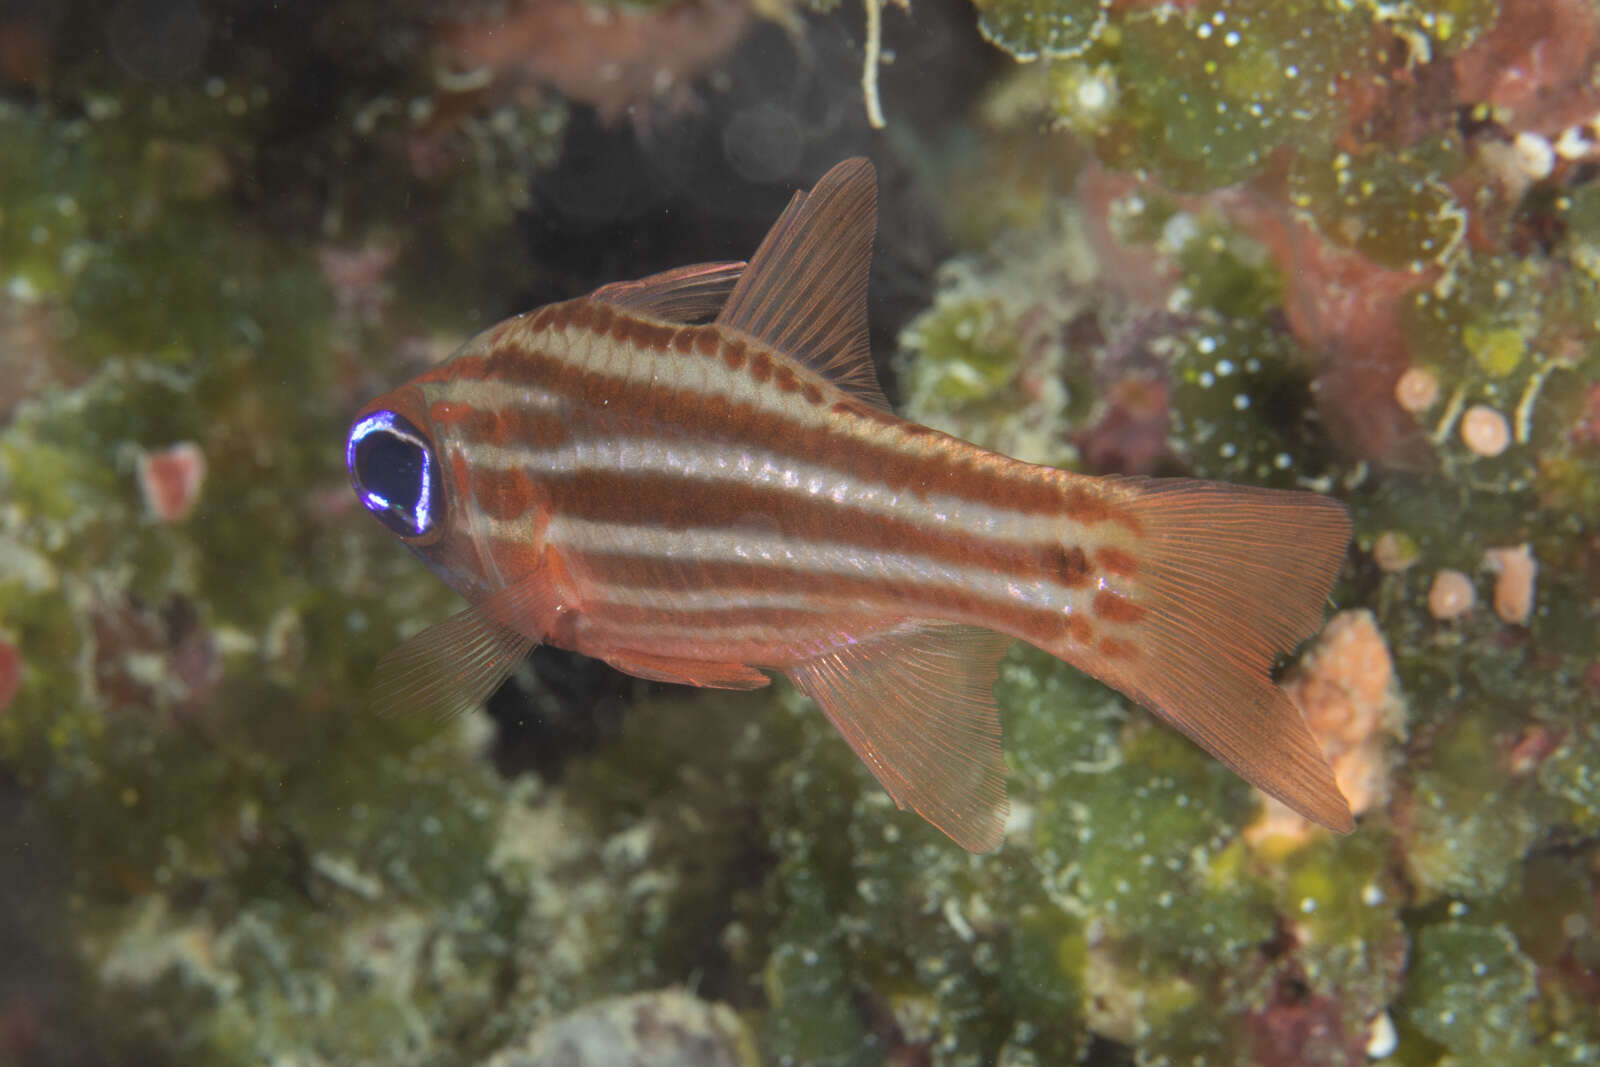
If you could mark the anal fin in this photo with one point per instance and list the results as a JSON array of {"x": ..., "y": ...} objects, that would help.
[
  {"x": 687, "y": 671},
  {"x": 916, "y": 703}
]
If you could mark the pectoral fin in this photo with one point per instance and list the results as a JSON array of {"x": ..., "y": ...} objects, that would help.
[
  {"x": 454, "y": 665},
  {"x": 917, "y": 705}
]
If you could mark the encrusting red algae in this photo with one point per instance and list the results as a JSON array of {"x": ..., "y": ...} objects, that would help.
[{"x": 703, "y": 503}]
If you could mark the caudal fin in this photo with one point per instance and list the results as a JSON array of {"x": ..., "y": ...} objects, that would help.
[{"x": 1230, "y": 577}]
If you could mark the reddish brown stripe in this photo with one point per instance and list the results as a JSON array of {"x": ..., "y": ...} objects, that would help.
[
  {"x": 893, "y": 599},
  {"x": 460, "y": 472},
  {"x": 669, "y": 502},
  {"x": 951, "y": 466},
  {"x": 1113, "y": 608},
  {"x": 1090, "y": 507},
  {"x": 1070, "y": 566},
  {"x": 1079, "y": 630},
  {"x": 761, "y": 368},
  {"x": 502, "y": 427},
  {"x": 1111, "y": 648},
  {"x": 1116, "y": 561},
  {"x": 503, "y": 494},
  {"x": 628, "y": 330}
]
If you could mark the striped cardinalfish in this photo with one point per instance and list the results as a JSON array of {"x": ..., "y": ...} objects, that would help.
[{"x": 703, "y": 501}]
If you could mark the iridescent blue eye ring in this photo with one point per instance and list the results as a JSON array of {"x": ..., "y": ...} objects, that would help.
[{"x": 394, "y": 472}]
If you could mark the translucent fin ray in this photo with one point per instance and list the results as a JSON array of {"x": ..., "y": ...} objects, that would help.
[
  {"x": 916, "y": 703},
  {"x": 805, "y": 290},
  {"x": 453, "y": 665},
  {"x": 684, "y": 294},
  {"x": 1233, "y": 576}
]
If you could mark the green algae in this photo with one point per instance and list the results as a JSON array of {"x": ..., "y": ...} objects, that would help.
[
  {"x": 1572, "y": 776},
  {"x": 1471, "y": 823},
  {"x": 1242, "y": 391},
  {"x": 971, "y": 353},
  {"x": 1200, "y": 96},
  {"x": 1209, "y": 94},
  {"x": 1469, "y": 992},
  {"x": 998, "y": 362},
  {"x": 1054, "y": 29},
  {"x": 1514, "y": 336},
  {"x": 968, "y": 956},
  {"x": 1393, "y": 207}
]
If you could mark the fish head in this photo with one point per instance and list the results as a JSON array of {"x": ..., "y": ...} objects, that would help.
[{"x": 402, "y": 469}]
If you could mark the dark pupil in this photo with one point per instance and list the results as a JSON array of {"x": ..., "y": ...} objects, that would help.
[{"x": 391, "y": 467}]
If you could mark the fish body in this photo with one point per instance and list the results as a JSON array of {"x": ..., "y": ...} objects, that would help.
[{"x": 705, "y": 502}]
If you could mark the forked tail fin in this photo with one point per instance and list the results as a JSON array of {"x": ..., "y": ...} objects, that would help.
[{"x": 1230, "y": 577}]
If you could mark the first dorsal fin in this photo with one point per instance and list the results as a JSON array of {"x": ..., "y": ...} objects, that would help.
[
  {"x": 683, "y": 294},
  {"x": 804, "y": 292}
]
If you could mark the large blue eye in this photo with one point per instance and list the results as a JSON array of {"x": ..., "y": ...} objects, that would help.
[{"x": 395, "y": 473}]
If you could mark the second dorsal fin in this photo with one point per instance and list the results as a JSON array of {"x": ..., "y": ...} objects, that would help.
[{"x": 804, "y": 292}]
